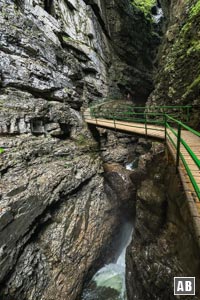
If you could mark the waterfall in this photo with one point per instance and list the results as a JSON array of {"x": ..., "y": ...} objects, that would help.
[
  {"x": 110, "y": 280},
  {"x": 133, "y": 164},
  {"x": 159, "y": 15}
]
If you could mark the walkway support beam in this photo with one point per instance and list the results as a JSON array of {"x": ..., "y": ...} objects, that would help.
[
  {"x": 146, "y": 125},
  {"x": 165, "y": 123}
]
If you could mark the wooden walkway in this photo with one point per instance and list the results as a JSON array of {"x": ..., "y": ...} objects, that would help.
[
  {"x": 194, "y": 143},
  {"x": 158, "y": 132},
  {"x": 138, "y": 128}
]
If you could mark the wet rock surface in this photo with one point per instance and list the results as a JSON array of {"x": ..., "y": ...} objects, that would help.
[
  {"x": 177, "y": 80},
  {"x": 62, "y": 212},
  {"x": 163, "y": 245},
  {"x": 121, "y": 148},
  {"x": 47, "y": 207},
  {"x": 136, "y": 48},
  {"x": 56, "y": 220},
  {"x": 57, "y": 214}
]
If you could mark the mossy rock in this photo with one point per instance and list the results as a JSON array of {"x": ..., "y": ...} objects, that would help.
[
  {"x": 144, "y": 5},
  {"x": 178, "y": 79},
  {"x": 1, "y": 150}
]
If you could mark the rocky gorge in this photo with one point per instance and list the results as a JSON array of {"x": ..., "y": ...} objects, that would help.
[{"x": 64, "y": 189}]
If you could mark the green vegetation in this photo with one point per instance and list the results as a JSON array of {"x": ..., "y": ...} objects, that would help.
[
  {"x": 193, "y": 18},
  {"x": 144, "y": 5},
  {"x": 195, "y": 47},
  {"x": 190, "y": 47},
  {"x": 82, "y": 140},
  {"x": 1, "y": 150},
  {"x": 86, "y": 144},
  {"x": 68, "y": 165},
  {"x": 195, "y": 83},
  {"x": 182, "y": 64},
  {"x": 195, "y": 10},
  {"x": 69, "y": 39},
  {"x": 194, "y": 86}
]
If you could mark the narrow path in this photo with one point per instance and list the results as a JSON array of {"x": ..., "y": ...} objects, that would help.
[
  {"x": 194, "y": 143},
  {"x": 158, "y": 132},
  {"x": 139, "y": 128}
]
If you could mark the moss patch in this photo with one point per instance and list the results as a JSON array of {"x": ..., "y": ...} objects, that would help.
[
  {"x": 1, "y": 150},
  {"x": 144, "y": 5},
  {"x": 178, "y": 79},
  {"x": 193, "y": 87},
  {"x": 182, "y": 63}
]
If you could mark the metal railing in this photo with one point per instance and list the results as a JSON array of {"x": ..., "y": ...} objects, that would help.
[
  {"x": 178, "y": 142},
  {"x": 161, "y": 119}
]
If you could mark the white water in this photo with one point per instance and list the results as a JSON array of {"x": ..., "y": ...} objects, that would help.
[
  {"x": 157, "y": 18},
  {"x": 132, "y": 165},
  {"x": 129, "y": 166},
  {"x": 113, "y": 275}
]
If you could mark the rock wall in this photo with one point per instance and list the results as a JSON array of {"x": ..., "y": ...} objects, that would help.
[
  {"x": 66, "y": 54},
  {"x": 56, "y": 218},
  {"x": 135, "y": 40},
  {"x": 177, "y": 79},
  {"x": 59, "y": 208},
  {"x": 164, "y": 243}
]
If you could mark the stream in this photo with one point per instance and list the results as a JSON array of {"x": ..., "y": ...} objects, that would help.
[{"x": 109, "y": 282}]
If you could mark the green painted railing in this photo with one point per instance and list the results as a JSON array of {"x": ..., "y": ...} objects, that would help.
[
  {"x": 165, "y": 118},
  {"x": 180, "y": 141}
]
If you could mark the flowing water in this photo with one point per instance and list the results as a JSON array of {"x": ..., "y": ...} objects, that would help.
[
  {"x": 158, "y": 17},
  {"x": 109, "y": 282},
  {"x": 132, "y": 165}
]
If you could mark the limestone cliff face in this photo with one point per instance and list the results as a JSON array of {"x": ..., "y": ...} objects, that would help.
[
  {"x": 177, "y": 80},
  {"x": 55, "y": 217},
  {"x": 164, "y": 243},
  {"x": 57, "y": 214},
  {"x": 134, "y": 41}
]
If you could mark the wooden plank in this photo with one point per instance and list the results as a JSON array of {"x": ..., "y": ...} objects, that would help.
[{"x": 159, "y": 132}]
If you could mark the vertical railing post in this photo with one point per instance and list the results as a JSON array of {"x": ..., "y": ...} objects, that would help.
[
  {"x": 145, "y": 124},
  {"x": 91, "y": 112},
  {"x": 165, "y": 124},
  {"x": 178, "y": 147},
  {"x": 94, "y": 114},
  {"x": 114, "y": 121}
]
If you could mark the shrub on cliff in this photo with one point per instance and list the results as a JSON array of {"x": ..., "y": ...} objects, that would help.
[{"x": 144, "y": 5}]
